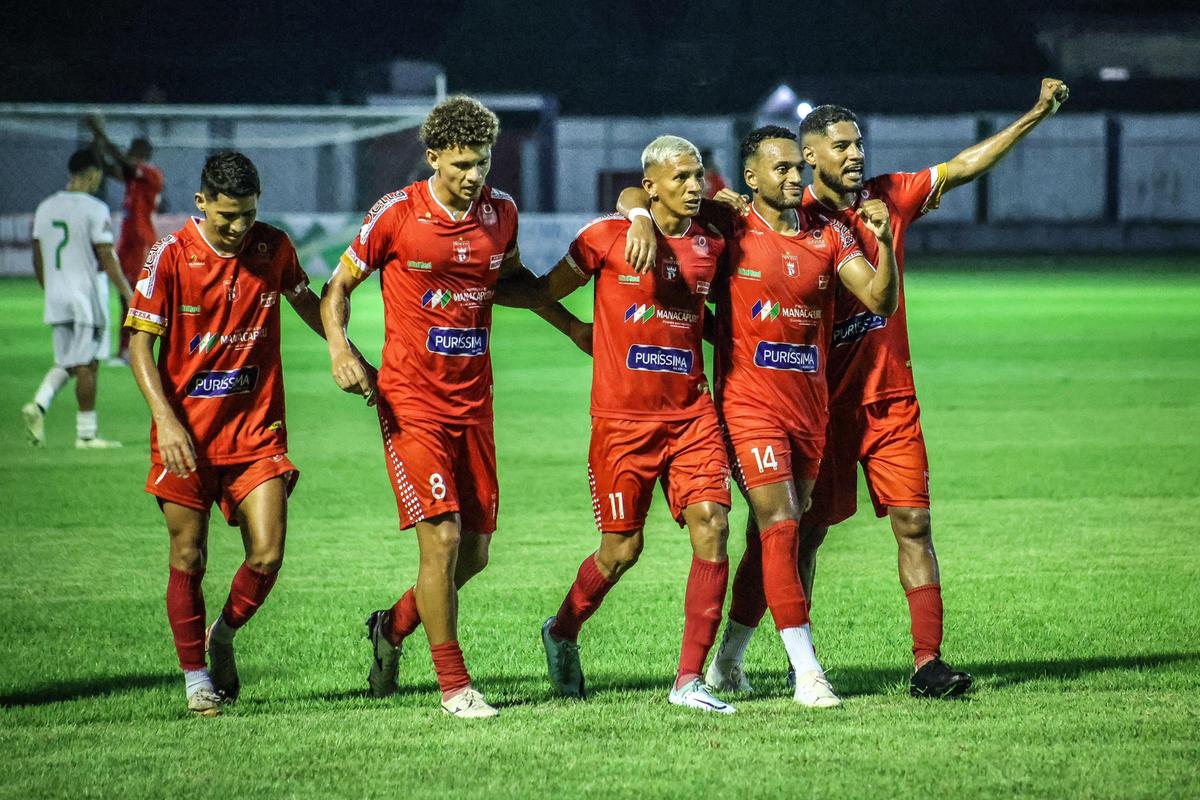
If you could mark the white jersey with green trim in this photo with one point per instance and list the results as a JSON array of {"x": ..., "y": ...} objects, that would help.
[{"x": 66, "y": 228}]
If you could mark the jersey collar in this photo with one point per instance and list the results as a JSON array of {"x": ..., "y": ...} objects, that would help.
[
  {"x": 826, "y": 206},
  {"x": 219, "y": 254},
  {"x": 449, "y": 213}
]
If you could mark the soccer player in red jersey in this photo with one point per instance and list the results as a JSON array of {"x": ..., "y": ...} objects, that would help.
[
  {"x": 874, "y": 416},
  {"x": 652, "y": 417},
  {"x": 774, "y": 313},
  {"x": 210, "y": 294},
  {"x": 143, "y": 188},
  {"x": 443, "y": 248}
]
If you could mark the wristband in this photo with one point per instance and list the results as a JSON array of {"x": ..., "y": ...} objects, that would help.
[{"x": 634, "y": 213}]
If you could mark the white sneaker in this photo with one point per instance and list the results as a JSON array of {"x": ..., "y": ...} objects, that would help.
[
  {"x": 205, "y": 702},
  {"x": 695, "y": 694},
  {"x": 96, "y": 443},
  {"x": 35, "y": 424},
  {"x": 469, "y": 704},
  {"x": 727, "y": 676},
  {"x": 814, "y": 690}
]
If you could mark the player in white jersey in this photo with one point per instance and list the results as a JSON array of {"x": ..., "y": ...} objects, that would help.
[{"x": 72, "y": 254}]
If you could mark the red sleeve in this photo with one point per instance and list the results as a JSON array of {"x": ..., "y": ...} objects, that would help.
[
  {"x": 373, "y": 246},
  {"x": 292, "y": 278},
  {"x": 155, "y": 179},
  {"x": 913, "y": 193},
  {"x": 588, "y": 252},
  {"x": 508, "y": 213},
  {"x": 845, "y": 243},
  {"x": 154, "y": 293}
]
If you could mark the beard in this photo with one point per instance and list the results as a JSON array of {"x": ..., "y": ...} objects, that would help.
[{"x": 836, "y": 182}]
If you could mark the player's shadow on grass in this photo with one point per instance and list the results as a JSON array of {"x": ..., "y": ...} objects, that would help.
[
  {"x": 851, "y": 681},
  {"x": 68, "y": 691}
]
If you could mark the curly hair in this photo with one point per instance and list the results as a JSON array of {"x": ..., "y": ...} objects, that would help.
[
  {"x": 459, "y": 121},
  {"x": 229, "y": 173},
  {"x": 822, "y": 117},
  {"x": 757, "y": 136}
]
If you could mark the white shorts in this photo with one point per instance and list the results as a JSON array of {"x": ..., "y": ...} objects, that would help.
[{"x": 76, "y": 344}]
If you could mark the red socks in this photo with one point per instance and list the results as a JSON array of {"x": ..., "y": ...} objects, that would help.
[
  {"x": 925, "y": 609},
  {"x": 749, "y": 600},
  {"x": 185, "y": 612},
  {"x": 584, "y": 597},
  {"x": 247, "y": 592},
  {"x": 702, "y": 606},
  {"x": 405, "y": 617},
  {"x": 781, "y": 578},
  {"x": 451, "y": 670}
]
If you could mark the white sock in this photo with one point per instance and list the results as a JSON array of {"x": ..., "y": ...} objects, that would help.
[
  {"x": 197, "y": 679},
  {"x": 733, "y": 645},
  {"x": 55, "y": 379},
  {"x": 86, "y": 424},
  {"x": 798, "y": 643},
  {"x": 222, "y": 632}
]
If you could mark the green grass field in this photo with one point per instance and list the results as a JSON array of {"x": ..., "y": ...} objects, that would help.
[{"x": 1062, "y": 411}]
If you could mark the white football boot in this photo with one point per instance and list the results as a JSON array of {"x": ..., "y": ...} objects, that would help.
[
  {"x": 35, "y": 424},
  {"x": 814, "y": 690},
  {"x": 468, "y": 703},
  {"x": 694, "y": 694}
]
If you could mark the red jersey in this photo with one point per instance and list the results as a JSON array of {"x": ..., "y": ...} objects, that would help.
[
  {"x": 870, "y": 360},
  {"x": 143, "y": 185},
  {"x": 774, "y": 315},
  {"x": 648, "y": 362},
  {"x": 438, "y": 279},
  {"x": 218, "y": 317}
]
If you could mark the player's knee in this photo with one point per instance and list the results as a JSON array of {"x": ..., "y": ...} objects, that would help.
[
  {"x": 911, "y": 523},
  {"x": 710, "y": 521},
  {"x": 265, "y": 561},
  {"x": 616, "y": 559},
  {"x": 187, "y": 559}
]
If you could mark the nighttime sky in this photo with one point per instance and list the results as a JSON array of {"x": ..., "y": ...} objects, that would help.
[{"x": 619, "y": 56}]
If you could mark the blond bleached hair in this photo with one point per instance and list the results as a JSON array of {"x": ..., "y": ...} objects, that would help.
[
  {"x": 459, "y": 121},
  {"x": 665, "y": 148}
]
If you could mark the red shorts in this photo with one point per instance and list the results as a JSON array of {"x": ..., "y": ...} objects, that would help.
[
  {"x": 763, "y": 455},
  {"x": 440, "y": 467},
  {"x": 886, "y": 438},
  {"x": 131, "y": 254},
  {"x": 627, "y": 457},
  {"x": 225, "y": 484}
]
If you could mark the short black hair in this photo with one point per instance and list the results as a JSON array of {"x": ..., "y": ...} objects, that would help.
[
  {"x": 82, "y": 159},
  {"x": 141, "y": 147},
  {"x": 229, "y": 173},
  {"x": 757, "y": 136},
  {"x": 822, "y": 117}
]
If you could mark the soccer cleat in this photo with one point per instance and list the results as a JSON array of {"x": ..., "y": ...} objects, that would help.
[
  {"x": 562, "y": 662},
  {"x": 727, "y": 676},
  {"x": 936, "y": 679},
  {"x": 814, "y": 690},
  {"x": 468, "y": 704},
  {"x": 222, "y": 666},
  {"x": 694, "y": 694},
  {"x": 96, "y": 443},
  {"x": 385, "y": 657},
  {"x": 204, "y": 702},
  {"x": 35, "y": 424}
]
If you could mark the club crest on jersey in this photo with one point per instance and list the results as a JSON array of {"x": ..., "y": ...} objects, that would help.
[
  {"x": 268, "y": 299},
  {"x": 651, "y": 358},
  {"x": 487, "y": 214},
  {"x": 462, "y": 250},
  {"x": 786, "y": 356},
  {"x": 639, "y": 313},
  {"x": 856, "y": 327},
  {"x": 791, "y": 264},
  {"x": 495, "y": 261},
  {"x": 764, "y": 310},
  {"x": 457, "y": 341},
  {"x": 222, "y": 383},
  {"x": 700, "y": 245},
  {"x": 435, "y": 298},
  {"x": 670, "y": 268},
  {"x": 231, "y": 289}
]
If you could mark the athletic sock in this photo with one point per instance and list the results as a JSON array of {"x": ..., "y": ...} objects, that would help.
[
  {"x": 798, "y": 643},
  {"x": 450, "y": 667},
  {"x": 185, "y": 612},
  {"x": 55, "y": 379},
  {"x": 781, "y": 578},
  {"x": 733, "y": 644},
  {"x": 194, "y": 679},
  {"x": 86, "y": 424},
  {"x": 246, "y": 594},
  {"x": 925, "y": 610},
  {"x": 703, "y": 601},
  {"x": 749, "y": 601},
  {"x": 582, "y": 600},
  {"x": 405, "y": 618}
]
